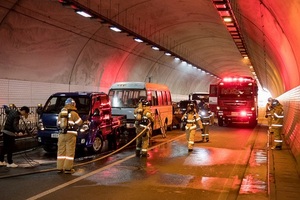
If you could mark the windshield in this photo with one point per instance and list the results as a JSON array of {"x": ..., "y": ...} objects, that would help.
[
  {"x": 200, "y": 97},
  {"x": 56, "y": 103},
  {"x": 237, "y": 91},
  {"x": 126, "y": 98}
]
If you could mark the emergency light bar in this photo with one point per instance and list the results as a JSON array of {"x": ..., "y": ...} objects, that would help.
[{"x": 237, "y": 79}]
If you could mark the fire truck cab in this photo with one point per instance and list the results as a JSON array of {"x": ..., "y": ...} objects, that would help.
[{"x": 234, "y": 100}]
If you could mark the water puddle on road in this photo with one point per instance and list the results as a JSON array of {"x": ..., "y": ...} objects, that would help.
[{"x": 255, "y": 179}]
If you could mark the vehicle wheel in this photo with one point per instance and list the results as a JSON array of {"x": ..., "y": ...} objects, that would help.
[
  {"x": 50, "y": 148},
  {"x": 97, "y": 145},
  {"x": 115, "y": 139},
  {"x": 253, "y": 123},
  {"x": 220, "y": 122},
  {"x": 170, "y": 128}
]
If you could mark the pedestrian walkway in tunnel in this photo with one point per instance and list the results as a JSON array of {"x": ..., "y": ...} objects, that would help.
[{"x": 284, "y": 176}]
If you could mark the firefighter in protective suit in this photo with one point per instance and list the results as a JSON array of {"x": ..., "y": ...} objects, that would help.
[
  {"x": 206, "y": 119},
  {"x": 192, "y": 120},
  {"x": 68, "y": 121},
  {"x": 268, "y": 114},
  {"x": 277, "y": 123},
  {"x": 143, "y": 120}
]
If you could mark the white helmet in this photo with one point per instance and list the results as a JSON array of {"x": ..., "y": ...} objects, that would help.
[
  {"x": 270, "y": 99},
  {"x": 70, "y": 101}
]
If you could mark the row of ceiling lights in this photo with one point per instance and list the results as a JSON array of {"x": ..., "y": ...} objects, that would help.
[
  {"x": 225, "y": 11},
  {"x": 167, "y": 53},
  {"x": 86, "y": 12}
]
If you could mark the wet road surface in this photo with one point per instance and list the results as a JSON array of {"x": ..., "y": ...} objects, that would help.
[{"x": 232, "y": 165}]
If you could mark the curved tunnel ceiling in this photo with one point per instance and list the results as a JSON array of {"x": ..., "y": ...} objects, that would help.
[{"x": 44, "y": 41}]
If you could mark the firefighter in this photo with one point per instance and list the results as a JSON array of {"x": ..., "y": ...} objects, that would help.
[
  {"x": 277, "y": 123},
  {"x": 206, "y": 119},
  {"x": 269, "y": 113},
  {"x": 143, "y": 120},
  {"x": 69, "y": 122},
  {"x": 192, "y": 119}
]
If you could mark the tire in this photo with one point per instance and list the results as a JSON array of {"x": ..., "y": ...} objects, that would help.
[
  {"x": 115, "y": 140},
  {"x": 50, "y": 148},
  {"x": 220, "y": 122},
  {"x": 253, "y": 123},
  {"x": 170, "y": 128},
  {"x": 96, "y": 145}
]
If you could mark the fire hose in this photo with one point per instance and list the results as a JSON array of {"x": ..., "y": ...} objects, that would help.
[{"x": 81, "y": 164}]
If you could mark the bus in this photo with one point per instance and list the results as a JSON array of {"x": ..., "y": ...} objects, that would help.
[
  {"x": 124, "y": 98},
  {"x": 235, "y": 100}
]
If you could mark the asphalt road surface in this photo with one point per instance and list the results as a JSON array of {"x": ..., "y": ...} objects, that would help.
[{"x": 232, "y": 165}]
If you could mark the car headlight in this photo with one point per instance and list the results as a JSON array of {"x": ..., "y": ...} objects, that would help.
[
  {"x": 41, "y": 125},
  {"x": 85, "y": 127}
]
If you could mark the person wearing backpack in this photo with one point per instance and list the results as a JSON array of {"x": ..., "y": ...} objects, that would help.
[
  {"x": 206, "y": 119},
  {"x": 68, "y": 122},
  {"x": 192, "y": 120},
  {"x": 143, "y": 117}
]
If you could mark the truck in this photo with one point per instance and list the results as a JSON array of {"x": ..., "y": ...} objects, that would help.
[
  {"x": 199, "y": 96},
  {"x": 101, "y": 131},
  {"x": 234, "y": 100}
]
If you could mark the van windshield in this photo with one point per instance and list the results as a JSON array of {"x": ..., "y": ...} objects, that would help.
[
  {"x": 56, "y": 103},
  {"x": 126, "y": 98}
]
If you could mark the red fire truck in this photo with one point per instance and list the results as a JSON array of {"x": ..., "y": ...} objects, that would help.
[{"x": 234, "y": 100}]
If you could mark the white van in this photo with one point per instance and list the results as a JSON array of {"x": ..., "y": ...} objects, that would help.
[{"x": 124, "y": 98}]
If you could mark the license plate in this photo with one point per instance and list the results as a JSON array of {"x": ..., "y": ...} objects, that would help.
[
  {"x": 54, "y": 135},
  {"x": 234, "y": 113},
  {"x": 128, "y": 125}
]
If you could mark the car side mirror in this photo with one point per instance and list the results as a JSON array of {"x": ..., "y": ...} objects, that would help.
[{"x": 96, "y": 113}]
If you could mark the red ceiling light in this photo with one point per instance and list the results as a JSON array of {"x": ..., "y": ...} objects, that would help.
[
  {"x": 232, "y": 29},
  {"x": 237, "y": 40},
  {"x": 226, "y": 13},
  {"x": 230, "y": 24},
  {"x": 221, "y": 6},
  {"x": 234, "y": 33},
  {"x": 235, "y": 36}
]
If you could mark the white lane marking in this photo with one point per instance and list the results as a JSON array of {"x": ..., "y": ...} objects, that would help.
[
  {"x": 92, "y": 173},
  {"x": 77, "y": 179}
]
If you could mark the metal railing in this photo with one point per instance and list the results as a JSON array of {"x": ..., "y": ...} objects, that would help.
[{"x": 30, "y": 123}]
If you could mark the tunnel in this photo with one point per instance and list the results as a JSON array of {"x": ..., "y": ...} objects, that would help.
[{"x": 48, "y": 47}]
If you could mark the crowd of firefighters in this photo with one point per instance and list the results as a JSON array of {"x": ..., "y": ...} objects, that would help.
[
  {"x": 202, "y": 119},
  {"x": 191, "y": 119}
]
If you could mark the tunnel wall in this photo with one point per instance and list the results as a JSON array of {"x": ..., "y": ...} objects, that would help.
[
  {"x": 31, "y": 93},
  {"x": 291, "y": 126}
]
